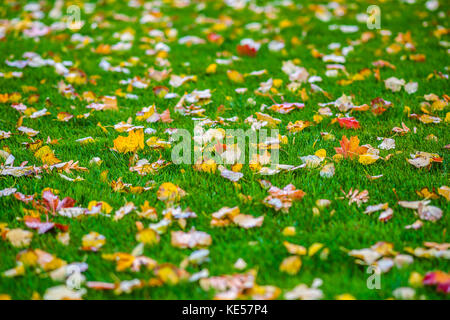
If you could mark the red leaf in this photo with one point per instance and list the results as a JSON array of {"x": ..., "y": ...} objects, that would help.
[
  {"x": 53, "y": 204},
  {"x": 349, "y": 123},
  {"x": 50, "y": 200},
  {"x": 246, "y": 50},
  {"x": 214, "y": 37},
  {"x": 438, "y": 278},
  {"x": 24, "y": 198},
  {"x": 379, "y": 105},
  {"x": 62, "y": 227},
  {"x": 36, "y": 224}
]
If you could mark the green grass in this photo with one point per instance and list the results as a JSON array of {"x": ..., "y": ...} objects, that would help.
[{"x": 347, "y": 228}]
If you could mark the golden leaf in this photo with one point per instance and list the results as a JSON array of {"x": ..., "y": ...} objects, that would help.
[
  {"x": 132, "y": 143},
  {"x": 147, "y": 236},
  {"x": 235, "y": 76},
  {"x": 368, "y": 158},
  {"x": 46, "y": 155},
  {"x": 291, "y": 265},
  {"x": 170, "y": 192}
]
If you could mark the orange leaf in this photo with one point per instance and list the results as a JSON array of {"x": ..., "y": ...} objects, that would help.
[{"x": 350, "y": 148}]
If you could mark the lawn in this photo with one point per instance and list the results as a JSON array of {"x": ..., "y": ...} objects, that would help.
[{"x": 79, "y": 99}]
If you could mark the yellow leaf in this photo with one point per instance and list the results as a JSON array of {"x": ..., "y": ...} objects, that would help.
[
  {"x": 438, "y": 105},
  {"x": 86, "y": 140},
  {"x": 338, "y": 157},
  {"x": 447, "y": 117},
  {"x": 167, "y": 274},
  {"x": 289, "y": 231},
  {"x": 445, "y": 192},
  {"x": 209, "y": 166},
  {"x": 170, "y": 192},
  {"x": 235, "y": 76},
  {"x": 92, "y": 241},
  {"x": 277, "y": 83},
  {"x": 345, "y": 296},
  {"x": 368, "y": 158},
  {"x": 147, "y": 236},
  {"x": 147, "y": 211},
  {"x": 46, "y": 155},
  {"x": 317, "y": 118},
  {"x": 415, "y": 279},
  {"x": 36, "y": 296},
  {"x": 427, "y": 194},
  {"x": 64, "y": 116},
  {"x": 105, "y": 207},
  {"x": 271, "y": 122},
  {"x": 427, "y": 119},
  {"x": 314, "y": 248},
  {"x": 102, "y": 127},
  {"x": 237, "y": 167},
  {"x": 294, "y": 248},
  {"x": 156, "y": 143},
  {"x": 104, "y": 176},
  {"x": 285, "y": 23},
  {"x": 211, "y": 68},
  {"x": 146, "y": 113},
  {"x": 291, "y": 265},
  {"x": 297, "y": 126},
  {"x": 132, "y": 143},
  {"x": 321, "y": 153},
  {"x": 29, "y": 258}
]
